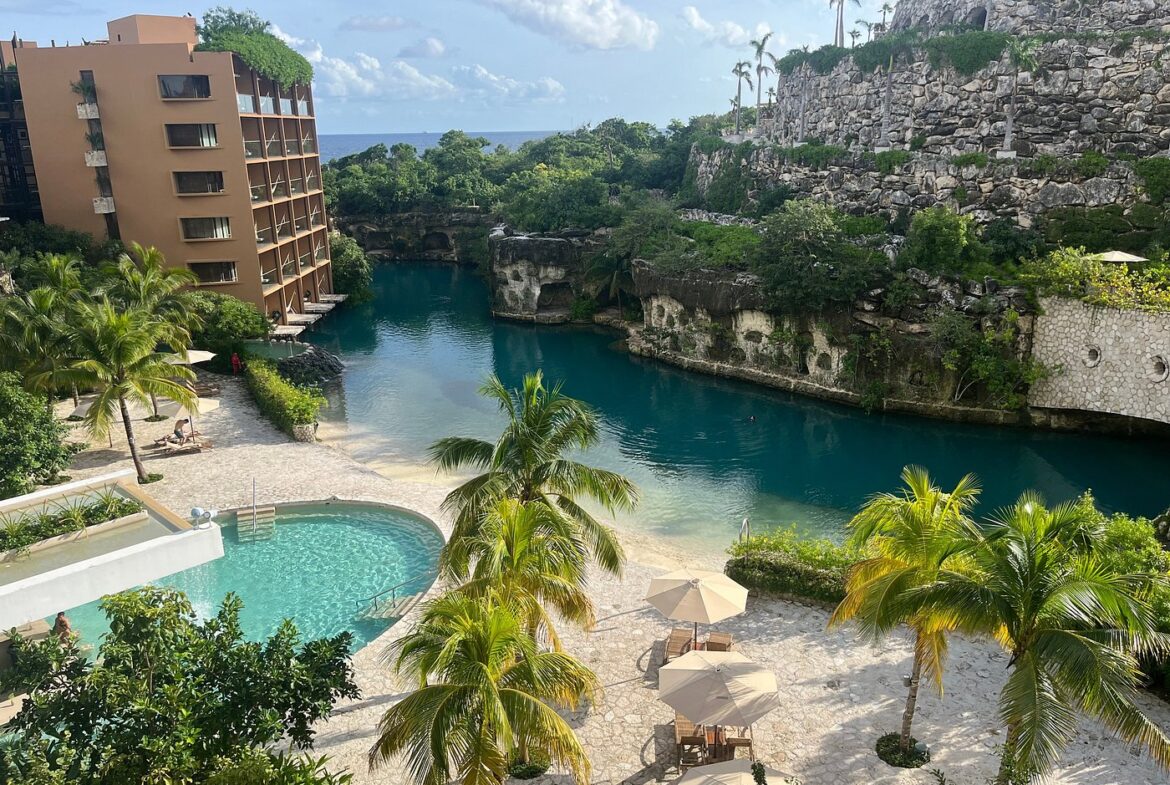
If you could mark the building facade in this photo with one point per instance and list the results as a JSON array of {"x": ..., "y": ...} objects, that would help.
[
  {"x": 19, "y": 198},
  {"x": 143, "y": 138}
]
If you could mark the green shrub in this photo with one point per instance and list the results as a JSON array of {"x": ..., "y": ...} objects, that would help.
[
  {"x": 582, "y": 308},
  {"x": 821, "y": 61},
  {"x": 227, "y": 322},
  {"x": 282, "y": 402},
  {"x": 264, "y": 53},
  {"x": 917, "y": 142},
  {"x": 942, "y": 240},
  {"x": 538, "y": 763},
  {"x": 711, "y": 144},
  {"x": 781, "y": 562},
  {"x": 25, "y": 529},
  {"x": 352, "y": 272},
  {"x": 814, "y": 155},
  {"x": 967, "y": 53},
  {"x": 32, "y": 441},
  {"x": 1155, "y": 173},
  {"x": 976, "y": 159},
  {"x": 723, "y": 246},
  {"x": 1044, "y": 164},
  {"x": 892, "y": 160},
  {"x": 1091, "y": 164}
]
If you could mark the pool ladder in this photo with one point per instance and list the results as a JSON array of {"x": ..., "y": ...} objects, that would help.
[
  {"x": 261, "y": 525},
  {"x": 387, "y": 604}
]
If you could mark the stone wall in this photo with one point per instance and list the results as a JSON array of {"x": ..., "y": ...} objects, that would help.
[
  {"x": 1031, "y": 16},
  {"x": 440, "y": 236},
  {"x": 537, "y": 277},
  {"x": 1111, "y": 361}
]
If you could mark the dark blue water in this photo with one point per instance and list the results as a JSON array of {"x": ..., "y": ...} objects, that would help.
[
  {"x": 417, "y": 353},
  {"x": 337, "y": 145}
]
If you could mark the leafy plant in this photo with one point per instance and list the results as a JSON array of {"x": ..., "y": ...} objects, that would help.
[
  {"x": 1091, "y": 164},
  {"x": 1155, "y": 174},
  {"x": 968, "y": 52},
  {"x": 892, "y": 160},
  {"x": 976, "y": 159},
  {"x": 582, "y": 308},
  {"x": 281, "y": 401},
  {"x": 35, "y": 451},
  {"x": 352, "y": 271},
  {"x": 942, "y": 240}
]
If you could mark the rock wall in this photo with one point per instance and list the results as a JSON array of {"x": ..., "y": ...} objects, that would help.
[
  {"x": 441, "y": 236},
  {"x": 1030, "y": 16},
  {"x": 1112, "y": 361},
  {"x": 537, "y": 277}
]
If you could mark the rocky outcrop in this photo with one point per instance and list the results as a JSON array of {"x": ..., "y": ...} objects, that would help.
[
  {"x": 441, "y": 235},
  {"x": 1031, "y": 16},
  {"x": 536, "y": 277},
  {"x": 311, "y": 367},
  {"x": 7, "y": 287}
]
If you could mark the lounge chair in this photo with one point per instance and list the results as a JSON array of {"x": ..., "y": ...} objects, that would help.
[
  {"x": 719, "y": 641},
  {"x": 690, "y": 741},
  {"x": 735, "y": 738},
  {"x": 677, "y": 644},
  {"x": 191, "y": 445}
]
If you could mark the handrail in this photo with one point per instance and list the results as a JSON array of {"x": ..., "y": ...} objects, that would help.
[{"x": 392, "y": 590}]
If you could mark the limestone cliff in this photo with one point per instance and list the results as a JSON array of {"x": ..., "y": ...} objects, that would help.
[{"x": 439, "y": 235}]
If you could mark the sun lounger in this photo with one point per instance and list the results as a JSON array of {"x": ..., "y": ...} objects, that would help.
[
  {"x": 191, "y": 445},
  {"x": 677, "y": 644},
  {"x": 719, "y": 641},
  {"x": 690, "y": 742},
  {"x": 735, "y": 738}
]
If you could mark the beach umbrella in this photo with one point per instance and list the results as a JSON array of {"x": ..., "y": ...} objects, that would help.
[
  {"x": 697, "y": 596},
  {"x": 1120, "y": 257},
  {"x": 732, "y": 772},
  {"x": 193, "y": 356},
  {"x": 166, "y": 407},
  {"x": 718, "y": 688}
]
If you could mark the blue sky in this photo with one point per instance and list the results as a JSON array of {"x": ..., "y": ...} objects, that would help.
[{"x": 496, "y": 65}]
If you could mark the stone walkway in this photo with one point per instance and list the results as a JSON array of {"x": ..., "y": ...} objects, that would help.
[{"x": 839, "y": 694}]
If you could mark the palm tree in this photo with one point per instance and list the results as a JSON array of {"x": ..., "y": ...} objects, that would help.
[
  {"x": 532, "y": 558},
  {"x": 761, "y": 47},
  {"x": 1022, "y": 54},
  {"x": 1073, "y": 627},
  {"x": 839, "y": 30},
  {"x": 912, "y": 535},
  {"x": 854, "y": 34},
  {"x": 869, "y": 28},
  {"x": 742, "y": 73},
  {"x": 886, "y": 9},
  {"x": 114, "y": 351},
  {"x": 34, "y": 341},
  {"x": 527, "y": 463},
  {"x": 486, "y": 694},
  {"x": 613, "y": 274}
]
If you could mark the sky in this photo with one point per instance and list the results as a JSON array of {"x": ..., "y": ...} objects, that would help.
[{"x": 405, "y": 66}]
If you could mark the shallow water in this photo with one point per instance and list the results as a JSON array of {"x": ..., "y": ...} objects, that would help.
[{"x": 417, "y": 353}]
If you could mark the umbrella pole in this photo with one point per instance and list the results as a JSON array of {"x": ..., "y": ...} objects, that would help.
[{"x": 695, "y": 642}]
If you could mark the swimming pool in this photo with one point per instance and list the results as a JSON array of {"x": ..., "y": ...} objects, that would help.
[{"x": 323, "y": 563}]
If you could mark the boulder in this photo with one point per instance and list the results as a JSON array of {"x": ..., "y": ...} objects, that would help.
[{"x": 311, "y": 367}]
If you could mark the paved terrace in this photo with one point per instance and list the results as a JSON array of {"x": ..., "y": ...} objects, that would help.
[{"x": 839, "y": 693}]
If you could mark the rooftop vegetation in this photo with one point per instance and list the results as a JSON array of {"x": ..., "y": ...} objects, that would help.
[{"x": 245, "y": 33}]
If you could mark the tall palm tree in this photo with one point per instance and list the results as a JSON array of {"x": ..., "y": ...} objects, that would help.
[
  {"x": 1074, "y": 629},
  {"x": 115, "y": 352},
  {"x": 140, "y": 280},
  {"x": 486, "y": 695},
  {"x": 869, "y": 27},
  {"x": 535, "y": 559},
  {"x": 913, "y": 535},
  {"x": 527, "y": 463},
  {"x": 761, "y": 50},
  {"x": 839, "y": 29},
  {"x": 34, "y": 339},
  {"x": 742, "y": 73},
  {"x": 854, "y": 34},
  {"x": 1022, "y": 54},
  {"x": 613, "y": 274},
  {"x": 886, "y": 9}
]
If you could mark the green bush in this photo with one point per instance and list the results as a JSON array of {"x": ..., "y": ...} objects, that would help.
[
  {"x": 538, "y": 763},
  {"x": 264, "y": 53},
  {"x": 1155, "y": 173},
  {"x": 711, "y": 144},
  {"x": 282, "y": 402},
  {"x": 723, "y": 246},
  {"x": 941, "y": 240},
  {"x": 1073, "y": 272},
  {"x": 892, "y": 160},
  {"x": 32, "y": 441},
  {"x": 352, "y": 272},
  {"x": 976, "y": 159},
  {"x": 781, "y": 562},
  {"x": 967, "y": 53},
  {"x": 582, "y": 308},
  {"x": 821, "y": 61},
  {"x": 25, "y": 529},
  {"x": 1139, "y": 230},
  {"x": 1091, "y": 164},
  {"x": 227, "y": 322},
  {"x": 814, "y": 155}
]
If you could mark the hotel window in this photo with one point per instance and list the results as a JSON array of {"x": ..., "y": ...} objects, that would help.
[
  {"x": 214, "y": 272},
  {"x": 199, "y": 182},
  {"x": 192, "y": 135},
  {"x": 184, "y": 86},
  {"x": 206, "y": 228}
]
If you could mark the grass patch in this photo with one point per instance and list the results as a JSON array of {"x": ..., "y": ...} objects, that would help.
[{"x": 891, "y": 752}]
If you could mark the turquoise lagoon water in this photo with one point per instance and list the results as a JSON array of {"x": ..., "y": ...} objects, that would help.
[
  {"x": 318, "y": 569},
  {"x": 416, "y": 354}
]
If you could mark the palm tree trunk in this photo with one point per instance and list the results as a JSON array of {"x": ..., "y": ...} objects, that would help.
[
  {"x": 1007, "y": 758},
  {"x": 138, "y": 467},
  {"x": 911, "y": 697},
  {"x": 840, "y": 35},
  {"x": 738, "y": 104}
]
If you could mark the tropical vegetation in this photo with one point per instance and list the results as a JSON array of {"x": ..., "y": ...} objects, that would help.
[
  {"x": 35, "y": 451},
  {"x": 224, "y": 29},
  {"x": 23, "y": 529}
]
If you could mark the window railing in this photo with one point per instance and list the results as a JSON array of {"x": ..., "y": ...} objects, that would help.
[
  {"x": 283, "y": 230},
  {"x": 279, "y": 189},
  {"x": 275, "y": 148},
  {"x": 302, "y": 106},
  {"x": 301, "y": 223},
  {"x": 259, "y": 193},
  {"x": 267, "y": 105},
  {"x": 253, "y": 148},
  {"x": 306, "y": 260},
  {"x": 286, "y": 106},
  {"x": 320, "y": 253},
  {"x": 297, "y": 185},
  {"x": 245, "y": 103},
  {"x": 311, "y": 183},
  {"x": 309, "y": 145},
  {"x": 292, "y": 147},
  {"x": 268, "y": 276},
  {"x": 289, "y": 268},
  {"x": 317, "y": 219},
  {"x": 264, "y": 236}
]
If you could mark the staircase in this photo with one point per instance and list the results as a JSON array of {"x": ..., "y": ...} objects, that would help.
[
  {"x": 393, "y": 608},
  {"x": 260, "y": 527}
]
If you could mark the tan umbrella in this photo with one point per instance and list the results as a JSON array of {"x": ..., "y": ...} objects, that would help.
[
  {"x": 137, "y": 410},
  {"x": 718, "y": 688},
  {"x": 193, "y": 356},
  {"x": 697, "y": 596},
  {"x": 1120, "y": 257},
  {"x": 166, "y": 407},
  {"x": 732, "y": 772}
]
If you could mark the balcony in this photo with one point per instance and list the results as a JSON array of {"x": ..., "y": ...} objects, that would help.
[
  {"x": 288, "y": 269},
  {"x": 301, "y": 224},
  {"x": 267, "y": 105},
  {"x": 279, "y": 189},
  {"x": 292, "y": 147},
  {"x": 286, "y": 106},
  {"x": 317, "y": 219},
  {"x": 311, "y": 183},
  {"x": 306, "y": 260},
  {"x": 103, "y": 205},
  {"x": 275, "y": 148},
  {"x": 297, "y": 185},
  {"x": 265, "y": 236},
  {"x": 320, "y": 253},
  {"x": 88, "y": 111},
  {"x": 283, "y": 231},
  {"x": 259, "y": 193},
  {"x": 309, "y": 145},
  {"x": 253, "y": 148},
  {"x": 245, "y": 103},
  {"x": 95, "y": 158},
  {"x": 302, "y": 107},
  {"x": 268, "y": 277}
]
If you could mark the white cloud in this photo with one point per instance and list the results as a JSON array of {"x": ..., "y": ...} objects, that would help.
[
  {"x": 376, "y": 24},
  {"x": 727, "y": 33},
  {"x": 365, "y": 76},
  {"x": 477, "y": 81},
  {"x": 427, "y": 47},
  {"x": 588, "y": 24}
]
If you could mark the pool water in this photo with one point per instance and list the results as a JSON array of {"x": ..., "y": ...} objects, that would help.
[
  {"x": 418, "y": 351},
  {"x": 318, "y": 569}
]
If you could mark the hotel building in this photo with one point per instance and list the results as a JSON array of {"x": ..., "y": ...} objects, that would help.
[{"x": 141, "y": 137}]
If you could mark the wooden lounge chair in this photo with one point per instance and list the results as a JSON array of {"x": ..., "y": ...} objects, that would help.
[
  {"x": 719, "y": 641},
  {"x": 191, "y": 445},
  {"x": 690, "y": 741},
  {"x": 677, "y": 644},
  {"x": 735, "y": 738}
]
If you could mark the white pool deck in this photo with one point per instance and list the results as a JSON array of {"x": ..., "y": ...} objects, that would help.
[{"x": 839, "y": 694}]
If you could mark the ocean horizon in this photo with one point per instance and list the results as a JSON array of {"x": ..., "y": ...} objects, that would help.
[{"x": 338, "y": 145}]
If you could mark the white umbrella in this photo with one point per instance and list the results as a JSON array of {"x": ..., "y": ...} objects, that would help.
[
  {"x": 166, "y": 407},
  {"x": 193, "y": 356},
  {"x": 732, "y": 772},
  {"x": 1120, "y": 257},
  {"x": 718, "y": 688},
  {"x": 697, "y": 596}
]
